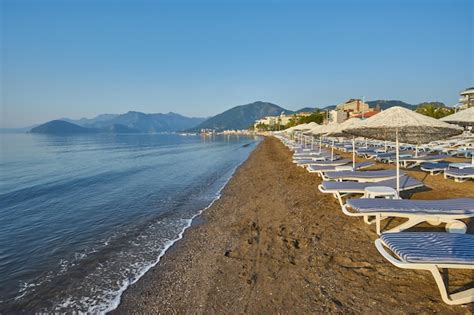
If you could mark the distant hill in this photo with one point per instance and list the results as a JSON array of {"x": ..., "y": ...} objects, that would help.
[
  {"x": 60, "y": 127},
  {"x": 307, "y": 110},
  {"x": 436, "y": 104},
  {"x": 146, "y": 123},
  {"x": 117, "y": 128},
  {"x": 240, "y": 117},
  {"x": 385, "y": 104},
  {"x": 91, "y": 121}
]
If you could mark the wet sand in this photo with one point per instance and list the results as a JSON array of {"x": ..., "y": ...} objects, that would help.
[{"x": 274, "y": 244}]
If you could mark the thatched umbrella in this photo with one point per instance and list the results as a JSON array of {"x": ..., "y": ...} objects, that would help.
[
  {"x": 401, "y": 124},
  {"x": 322, "y": 131},
  {"x": 317, "y": 131},
  {"x": 464, "y": 118},
  {"x": 338, "y": 131},
  {"x": 310, "y": 126}
]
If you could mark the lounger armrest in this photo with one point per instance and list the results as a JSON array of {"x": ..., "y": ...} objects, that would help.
[
  {"x": 321, "y": 188},
  {"x": 345, "y": 210},
  {"x": 381, "y": 248}
]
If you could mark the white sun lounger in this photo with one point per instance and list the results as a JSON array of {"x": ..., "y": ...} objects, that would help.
[
  {"x": 320, "y": 169},
  {"x": 434, "y": 168},
  {"x": 459, "y": 175},
  {"x": 330, "y": 163},
  {"x": 346, "y": 189},
  {"x": 431, "y": 251},
  {"x": 448, "y": 211},
  {"x": 414, "y": 161},
  {"x": 362, "y": 176},
  {"x": 310, "y": 161}
]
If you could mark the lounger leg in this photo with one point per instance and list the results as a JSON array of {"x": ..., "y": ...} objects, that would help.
[
  {"x": 463, "y": 297},
  {"x": 339, "y": 197}
]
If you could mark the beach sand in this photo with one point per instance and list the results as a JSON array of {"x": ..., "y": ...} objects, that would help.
[{"x": 274, "y": 244}]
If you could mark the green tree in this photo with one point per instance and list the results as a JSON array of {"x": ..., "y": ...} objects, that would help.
[{"x": 434, "y": 110}]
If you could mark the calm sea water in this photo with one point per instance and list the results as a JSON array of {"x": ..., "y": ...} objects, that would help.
[{"x": 82, "y": 217}]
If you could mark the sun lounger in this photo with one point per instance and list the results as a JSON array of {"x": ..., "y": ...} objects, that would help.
[
  {"x": 459, "y": 175},
  {"x": 346, "y": 189},
  {"x": 448, "y": 211},
  {"x": 434, "y": 168},
  {"x": 362, "y": 176},
  {"x": 330, "y": 163},
  {"x": 414, "y": 161},
  {"x": 431, "y": 251},
  {"x": 315, "y": 160},
  {"x": 321, "y": 169}
]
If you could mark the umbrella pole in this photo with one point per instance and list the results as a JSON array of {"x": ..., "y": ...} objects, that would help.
[
  {"x": 332, "y": 150},
  {"x": 321, "y": 143},
  {"x": 312, "y": 143},
  {"x": 353, "y": 154},
  {"x": 398, "y": 161},
  {"x": 416, "y": 150},
  {"x": 366, "y": 143}
]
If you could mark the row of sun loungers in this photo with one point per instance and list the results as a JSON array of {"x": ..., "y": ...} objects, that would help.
[{"x": 429, "y": 251}]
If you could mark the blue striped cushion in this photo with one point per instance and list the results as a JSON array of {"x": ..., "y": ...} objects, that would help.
[
  {"x": 435, "y": 166},
  {"x": 406, "y": 182},
  {"x": 460, "y": 172},
  {"x": 364, "y": 174},
  {"x": 445, "y": 206},
  {"x": 432, "y": 247}
]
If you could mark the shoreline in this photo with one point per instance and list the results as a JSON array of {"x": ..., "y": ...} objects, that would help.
[
  {"x": 272, "y": 243},
  {"x": 171, "y": 243}
]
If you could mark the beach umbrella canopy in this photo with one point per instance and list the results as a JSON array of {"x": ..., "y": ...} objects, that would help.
[
  {"x": 463, "y": 117},
  {"x": 337, "y": 130},
  {"x": 311, "y": 125},
  {"x": 302, "y": 127},
  {"x": 401, "y": 124},
  {"x": 316, "y": 130}
]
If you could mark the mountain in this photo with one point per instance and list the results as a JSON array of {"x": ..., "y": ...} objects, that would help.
[
  {"x": 307, "y": 110},
  {"x": 436, "y": 104},
  {"x": 385, "y": 104},
  {"x": 60, "y": 127},
  {"x": 117, "y": 128},
  {"x": 240, "y": 117},
  {"x": 90, "y": 121},
  {"x": 147, "y": 123}
]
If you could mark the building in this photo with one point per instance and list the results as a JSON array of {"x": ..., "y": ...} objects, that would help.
[
  {"x": 337, "y": 116},
  {"x": 352, "y": 108},
  {"x": 467, "y": 98},
  {"x": 354, "y": 105},
  {"x": 275, "y": 121}
]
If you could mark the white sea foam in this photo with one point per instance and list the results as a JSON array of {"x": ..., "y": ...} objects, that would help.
[{"x": 115, "y": 302}]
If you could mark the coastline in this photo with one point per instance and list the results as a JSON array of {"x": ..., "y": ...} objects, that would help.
[{"x": 273, "y": 244}]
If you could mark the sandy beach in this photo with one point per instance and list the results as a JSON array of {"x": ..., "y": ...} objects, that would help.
[{"x": 274, "y": 244}]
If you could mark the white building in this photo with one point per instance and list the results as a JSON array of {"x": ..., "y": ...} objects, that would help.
[{"x": 467, "y": 98}]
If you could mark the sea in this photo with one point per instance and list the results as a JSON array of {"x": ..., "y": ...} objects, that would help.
[{"x": 83, "y": 217}]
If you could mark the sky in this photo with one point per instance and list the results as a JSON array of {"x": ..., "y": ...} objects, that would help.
[{"x": 81, "y": 58}]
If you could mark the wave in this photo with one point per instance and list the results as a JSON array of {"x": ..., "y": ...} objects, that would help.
[{"x": 116, "y": 301}]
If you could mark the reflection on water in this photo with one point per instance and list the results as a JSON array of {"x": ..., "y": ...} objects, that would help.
[{"x": 83, "y": 216}]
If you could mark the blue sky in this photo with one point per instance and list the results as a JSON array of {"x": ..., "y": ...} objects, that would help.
[{"x": 79, "y": 58}]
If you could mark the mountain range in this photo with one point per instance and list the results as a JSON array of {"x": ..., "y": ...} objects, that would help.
[
  {"x": 238, "y": 117},
  {"x": 131, "y": 122},
  {"x": 241, "y": 117}
]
